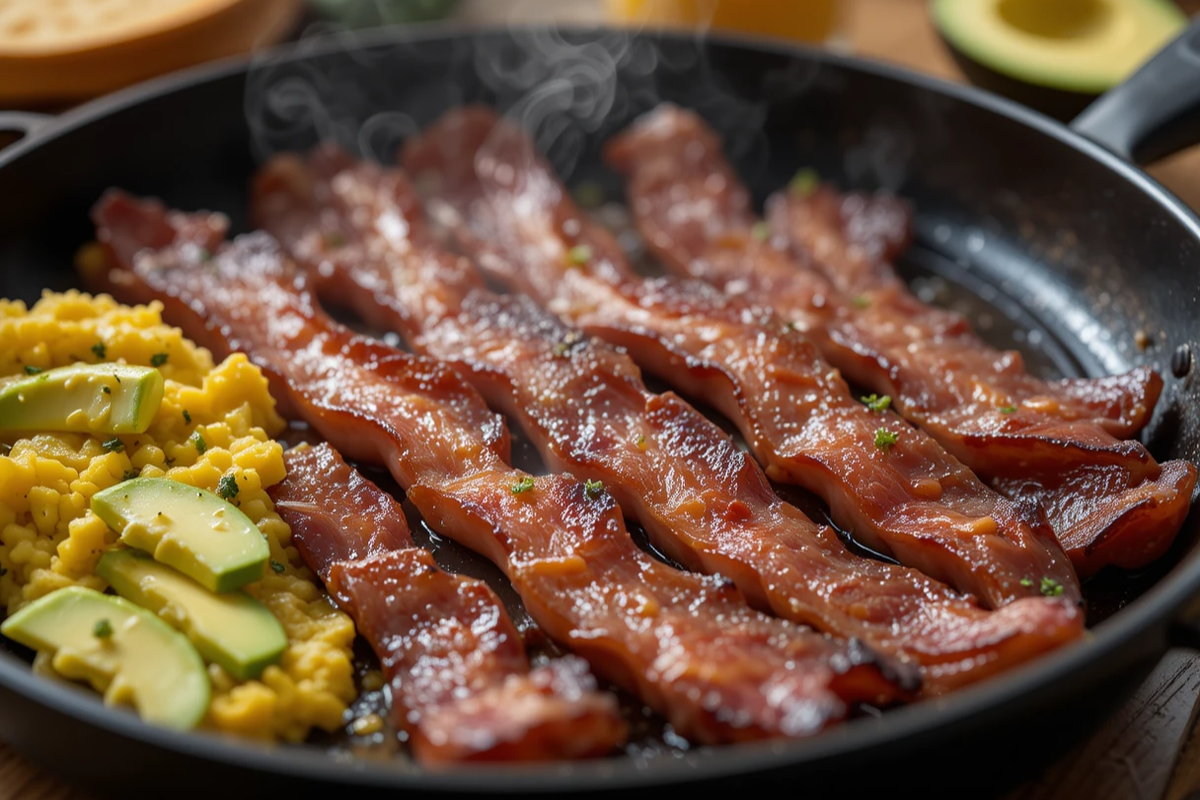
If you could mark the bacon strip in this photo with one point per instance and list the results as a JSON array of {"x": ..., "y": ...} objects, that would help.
[
  {"x": 912, "y": 500},
  {"x": 688, "y": 645},
  {"x": 583, "y": 403},
  {"x": 461, "y": 684},
  {"x": 1109, "y": 501}
]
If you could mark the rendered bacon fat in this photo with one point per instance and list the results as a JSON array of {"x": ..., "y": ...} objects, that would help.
[
  {"x": 1108, "y": 499},
  {"x": 909, "y": 498},
  {"x": 702, "y": 500},
  {"x": 689, "y": 646},
  {"x": 460, "y": 680}
]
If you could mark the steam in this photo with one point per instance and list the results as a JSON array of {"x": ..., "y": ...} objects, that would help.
[{"x": 571, "y": 88}]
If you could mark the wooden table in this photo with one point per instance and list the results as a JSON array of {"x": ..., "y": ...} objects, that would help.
[{"x": 1151, "y": 749}]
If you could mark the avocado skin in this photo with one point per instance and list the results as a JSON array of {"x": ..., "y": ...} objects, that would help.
[{"x": 1061, "y": 104}]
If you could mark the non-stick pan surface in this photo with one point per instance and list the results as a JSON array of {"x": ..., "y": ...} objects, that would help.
[{"x": 1060, "y": 249}]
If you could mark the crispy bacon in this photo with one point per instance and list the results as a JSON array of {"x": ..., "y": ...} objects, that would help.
[
  {"x": 583, "y": 403},
  {"x": 689, "y": 646},
  {"x": 912, "y": 499},
  {"x": 461, "y": 684},
  {"x": 1111, "y": 502}
]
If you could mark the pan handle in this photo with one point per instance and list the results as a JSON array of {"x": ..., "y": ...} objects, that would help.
[
  {"x": 22, "y": 123},
  {"x": 1154, "y": 113}
]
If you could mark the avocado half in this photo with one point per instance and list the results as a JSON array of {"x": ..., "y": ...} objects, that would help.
[{"x": 1056, "y": 56}]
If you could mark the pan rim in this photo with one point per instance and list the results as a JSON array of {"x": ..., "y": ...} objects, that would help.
[{"x": 1155, "y": 608}]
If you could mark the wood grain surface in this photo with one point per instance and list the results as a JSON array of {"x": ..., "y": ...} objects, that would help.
[{"x": 1151, "y": 749}]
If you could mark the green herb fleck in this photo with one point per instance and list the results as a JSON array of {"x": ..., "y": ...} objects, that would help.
[
  {"x": 593, "y": 489},
  {"x": 158, "y": 359},
  {"x": 130, "y": 474},
  {"x": 877, "y": 403},
  {"x": 198, "y": 440},
  {"x": 227, "y": 487},
  {"x": 99, "y": 350},
  {"x": 523, "y": 485},
  {"x": 106, "y": 390},
  {"x": 579, "y": 255},
  {"x": 334, "y": 239},
  {"x": 187, "y": 417},
  {"x": 805, "y": 182},
  {"x": 113, "y": 445},
  {"x": 884, "y": 439},
  {"x": 1051, "y": 587},
  {"x": 205, "y": 254},
  {"x": 29, "y": 370},
  {"x": 1026, "y": 582},
  {"x": 589, "y": 195},
  {"x": 103, "y": 629},
  {"x": 760, "y": 232},
  {"x": 563, "y": 349},
  {"x": 860, "y": 301},
  {"x": 641, "y": 442},
  {"x": 276, "y": 566},
  {"x": 1008, "y": 409}
]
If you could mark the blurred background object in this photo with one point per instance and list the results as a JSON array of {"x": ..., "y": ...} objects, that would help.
[
  {"x": 802, "y": 20},
  {"x": 60, "y": 51},
  {"x": 367, "y": 13},
  {"x": 1054, "y": 55}
]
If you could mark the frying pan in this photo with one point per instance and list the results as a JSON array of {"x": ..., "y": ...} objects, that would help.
[{"x": 1048, "y": 236}]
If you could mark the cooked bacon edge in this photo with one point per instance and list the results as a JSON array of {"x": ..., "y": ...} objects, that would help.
[
  {"x": 1038, "y": 440},
  {"x": 911, "y": 500},
  {"x": 688, "y": 645},
  {"x": 460, "y": 680},
  {"x": 583, "y": 403}
]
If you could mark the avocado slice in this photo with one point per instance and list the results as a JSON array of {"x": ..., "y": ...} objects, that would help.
[
  {"x": 190, "y": 529},
  {"x": 82, "y": 398},
  {"x": 1055, "y": 56},
  {"x": 119, "y": 648},
  {"x": 231, "y": 629}
]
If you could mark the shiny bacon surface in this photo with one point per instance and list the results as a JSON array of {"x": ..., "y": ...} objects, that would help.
[
  {"x": 702, "y": 500},
  {"x": 911, "y": 499},
  {"x": 689, "y": 646},
  {"x": 1109, "y": 501},
  {"x": 460, "y": 682}
]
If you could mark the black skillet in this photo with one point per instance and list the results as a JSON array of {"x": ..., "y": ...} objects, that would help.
[{"x": 1055, "y": 245}]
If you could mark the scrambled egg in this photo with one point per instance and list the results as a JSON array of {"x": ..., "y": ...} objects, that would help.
[{"x": 214, "y": 421}]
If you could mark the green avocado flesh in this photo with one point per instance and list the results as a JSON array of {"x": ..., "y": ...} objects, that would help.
[
  {"x": 83, "y": 398},
  {"x": 122, "y": 650},
  {"x": 1086, "y": 46},
  {"x": 190, "y": 529},
  {"x": 232, "y": 629}
]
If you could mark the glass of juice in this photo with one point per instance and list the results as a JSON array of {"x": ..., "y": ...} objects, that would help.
[{"x": 817, "y": 21}]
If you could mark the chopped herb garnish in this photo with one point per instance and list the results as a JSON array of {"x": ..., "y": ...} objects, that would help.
[
  {"x": 523, "y": 485},
  {"x": 158, "y": 359},
  {"x": 593, "y": 489},
  {"x": 276, "y": 566},
  {"x": 641, "y": 442},
  {"x": 1008, "y": 409},
  {"x": 760, "y": 232},
  {"x": 1026, "y": 582},
  {"x": 877, "y": 403},
  {"x": 589, "y": 195},
  {"x": 579, "y": 255},
  {"x": 113, "y": 445},
  {"x": 334, "y": 239},
  {"x": 198, "y": 440},
  {"x": 860, "y": 301},
  {"x": 30, "y": 370},
  {"x": 187, "y": 417},
  {"x": 805, "y": 182},
  {"x": 106, "y": 390},
  {"x": 789, "y": 326},
  {"x": 205, "y": 254},
  {"x": 103, "y": 629},
  {"x": 99, "y": 350},
  {"x": 1051, "y": 587},
  {"x": 563, "y": 349},
  {"x": 118, "y": 377},
  {"x": 227, "y": 487},
  {"x": 129, "y": 475},
  {"x": 884, "y": 439}
]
